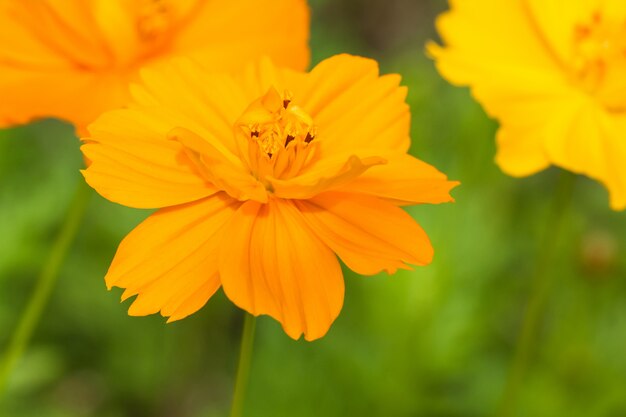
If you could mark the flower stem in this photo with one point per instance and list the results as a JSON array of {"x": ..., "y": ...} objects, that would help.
[
  {"x": 540, "y": 287},
  {"x": 18, "y": 341},
  {"x": 243, "y": 369}
]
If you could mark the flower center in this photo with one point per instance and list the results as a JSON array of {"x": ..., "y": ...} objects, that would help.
[
  {"x": 275, "y": 136},
  {"x": 136, "y": 31},
  {"x": 154, "y": 19},
  {"x": 600, "y": 60}
]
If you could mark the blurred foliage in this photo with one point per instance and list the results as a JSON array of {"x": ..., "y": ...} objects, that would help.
[{"x": 434, "y": 342}]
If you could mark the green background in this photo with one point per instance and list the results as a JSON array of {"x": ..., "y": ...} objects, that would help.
[{"x": 434, "y": 342}]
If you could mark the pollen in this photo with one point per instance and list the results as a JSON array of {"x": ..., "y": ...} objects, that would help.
[{"x": 278, "y": 134}]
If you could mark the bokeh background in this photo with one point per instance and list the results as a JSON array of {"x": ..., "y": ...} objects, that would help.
[{"x": 434, "y": 342}]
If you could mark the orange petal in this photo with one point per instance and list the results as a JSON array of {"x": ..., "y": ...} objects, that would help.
[
  {"x": 46, "y": 46},
  {"x": 170, "y": 260},
  {"x": 83, "y": 53},
  {"x": 49, "y": 35},
  {"x": 183, "y": 93},
  {"x": 64, "y": 98},
  {"x": 20, "y": 44},
  {"x": 369, "y": 234},
  {"x": 325, "y": 175},
  {"x": 273, "y": 264},
  {"x": 222, "y": 32},
  {"x": 134, "y": 164},
  {"x": 354, "y": 107},
  {"x": 219, "y": 167},
  {"x": 260, "y": 76},
  {"x": 403, "y": 180}
]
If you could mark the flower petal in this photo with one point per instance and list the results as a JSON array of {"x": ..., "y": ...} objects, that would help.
[
  {"x": 64, "y": 98},
  {"x": 403, "y": 180},
  {"x": 591, "y": 142},
  {"x": 273, "y": 264},
  {"x": 50, "y": 35},
  {"x": 133, "y": 163},
  {"x": 368, "y": 234},
  {"x": 521, "y": 152},
  {"x": 259, "y": 76},
  {"x": 170, "y": 260},
  {"x": 83, "y": 53},
  {"x": 473, "y": 55},
  {"x": 224, "y": 31},
  {"x": 45, "y": 47},
  {"x": 555, "y": 22},
  {"x": 327, "y": 174},
  {"x": 183, "y": 93},
  {"x": 353, "y": 106},
  {"x": 219, "y": 168}
]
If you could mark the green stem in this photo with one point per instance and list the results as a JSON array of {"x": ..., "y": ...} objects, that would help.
[
  {"x": 18, "y": 341},
  {"x": 540, "y": 287},
  {"x": 243, "y": 369}
]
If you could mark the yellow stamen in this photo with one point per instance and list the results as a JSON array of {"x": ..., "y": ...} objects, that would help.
[
  {"x": 278, "y": 134},
  {"x": 599, "y": 48}
]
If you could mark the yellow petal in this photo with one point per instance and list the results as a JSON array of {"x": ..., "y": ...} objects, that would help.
[
  {"x": 529, "y": 125},
  {"x": 555, "y": 23},
  {"x": 591, "y": 143},
  {"x": 486, "y": 38},
  {"x": 521, "y": 152},
  {"x": 133, "y": 163},
  {"x": 272, "y": 263},
  {"x": 368, "y": 234},
  {"x": 170, "y": 260}
]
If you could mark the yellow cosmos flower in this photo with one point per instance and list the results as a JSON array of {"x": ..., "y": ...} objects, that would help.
[
  {"x": 553, "y": 73},
  {"x": 261, "y": 178},
  {"x": 73, "y": 59}
]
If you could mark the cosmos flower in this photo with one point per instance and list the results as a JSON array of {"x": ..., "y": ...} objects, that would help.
[
  {"x": 553, "y": 74},
  {"x": 73, "y": 59},
  {"x": 261, "y": 178}
]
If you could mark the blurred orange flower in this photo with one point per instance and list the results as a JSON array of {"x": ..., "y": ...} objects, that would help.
[
  {"x": 260, "y": 178},
  {"x": 73, "y": 59},
  {"x": 553, "y": 74}
]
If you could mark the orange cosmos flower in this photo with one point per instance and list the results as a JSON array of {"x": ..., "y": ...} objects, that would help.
[
  {"x": 260, "y": 178},
  {"x": 73, "y": 59},
  {"x": 554, "y": 75}
]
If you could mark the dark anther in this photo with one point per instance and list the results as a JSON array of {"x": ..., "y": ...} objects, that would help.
[
  {"x": 308, "y": 138},
  {"x": 254, "y": 134},
  {"x": 286, "y": 103},
  {"x": 270, "y": 155},
  {"x": 289, "y": 139}
]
